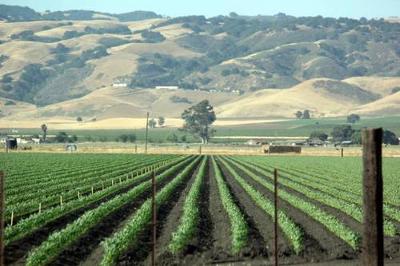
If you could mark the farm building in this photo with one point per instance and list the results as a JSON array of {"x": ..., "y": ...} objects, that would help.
[{"x": 166, "y": 87}]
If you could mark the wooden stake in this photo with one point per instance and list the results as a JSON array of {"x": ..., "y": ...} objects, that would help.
[
  {"x": 147, "y": 132},
  {"x": 61, "y": 200},
  {"x": 2, "y": 209},
  {"x": 276, "y": 216},
  {"x": 200, "y": 149},
  {"x": 154, "y": 224},
  {"x": 373, "y": 245},
  {"x": 135, "y": 148},
  {"x": 341, "y": 152}
]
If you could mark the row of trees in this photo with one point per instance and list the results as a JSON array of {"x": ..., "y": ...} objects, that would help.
[{"x": 347, "y": 133}]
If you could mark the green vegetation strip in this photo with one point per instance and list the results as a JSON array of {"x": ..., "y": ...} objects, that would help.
[
  {"x": 191, "y": 213},
  {"x": 120, "y": 242},
  {"x": 351, "y": 209},
  {"x": 341, "y": 190},
  {"x": 29, "y": 225},
  {"x": 239, "y": 227},
  {"x": 329, "y": 221},
  {"x": 58, "y": 241},
  {"x": 289, "y": 228}
]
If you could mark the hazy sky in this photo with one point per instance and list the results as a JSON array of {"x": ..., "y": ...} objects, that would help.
[{"x": 332, "y": 8}]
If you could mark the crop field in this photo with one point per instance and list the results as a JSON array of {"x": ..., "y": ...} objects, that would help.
[{"x": 96, "y": 209}]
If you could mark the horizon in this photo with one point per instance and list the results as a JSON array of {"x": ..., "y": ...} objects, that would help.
[{"x": 175, "y": 8}]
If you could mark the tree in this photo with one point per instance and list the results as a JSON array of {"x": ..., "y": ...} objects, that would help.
[
  {"x": 79, "y": 119},
  {"x": 198, "y": 120},
  {"x": 306, "y": 114},
  {"x": 319, "y": 135},
  {"x": 44, "y": 129},
  {"x": 161, "y": 121},
  {"x": 356, "y": 137},
  {"x": 126, "y": 138},
  {"x": 152, "y": 123},
  {"x": 62, "y": 137},
  {"x": 353, "y": 118},
  {"x": 390, "y": 138},
  {"x": 299, "y": 114},
  {"x": 172, "y": 138},
  {"x": 342, "y": 133}
]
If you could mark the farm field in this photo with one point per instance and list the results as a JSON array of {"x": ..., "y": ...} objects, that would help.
[
  {"x": 279, "y": 128},
  {"x": 95, "y": 209}
]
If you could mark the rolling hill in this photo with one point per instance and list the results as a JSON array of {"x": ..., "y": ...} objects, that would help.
[{"x": 68, "y": 64}]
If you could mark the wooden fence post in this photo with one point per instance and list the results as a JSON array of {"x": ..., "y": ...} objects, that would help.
[
  {"x": 373, "y": 245},
  {"x": 135, "y": 148},
  {"x": 2, "y": 209},
  {"x": 147, "y": 132},
  {"x": 276, "y": 216},
  {"x": 341, "y": 152},
  {"x": 154, "y": 223}
]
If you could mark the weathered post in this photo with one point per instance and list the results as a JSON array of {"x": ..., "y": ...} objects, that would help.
[
  {"x": 200, "y": 149},
  {"x": 154, "y": 223},
  {"x": 2, "y": 208},
  {"x": 276, "y": 216},
  {"x": 147, "y": 132},
  {"x": 373, "y": 245},
  {"x": 341, "y": 152},
  {"x": 135, "y": 148}
]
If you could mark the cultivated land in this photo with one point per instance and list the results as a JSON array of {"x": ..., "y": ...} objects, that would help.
[{"x": 91, "y": 209}]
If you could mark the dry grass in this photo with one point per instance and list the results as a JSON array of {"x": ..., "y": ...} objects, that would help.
[
  {"x": 205, "y": 149},
  {"x": 379, "y": 85}
]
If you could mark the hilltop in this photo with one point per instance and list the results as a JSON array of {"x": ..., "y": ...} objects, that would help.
[{"x": 87, "y": 63}]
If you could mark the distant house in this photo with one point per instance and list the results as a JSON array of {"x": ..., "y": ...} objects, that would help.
[
  {"x": 346, "y": 143},
  {"x": 36, "y": 140},
  {"x": 167, "y": 88},
  {"x": 22, "y": 141},
  {"x": 255, "y": 142},
  {"x": 120, "y": 85}
]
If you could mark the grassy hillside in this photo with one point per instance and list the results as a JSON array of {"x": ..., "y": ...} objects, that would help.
[{"x": 264, "y": 66}]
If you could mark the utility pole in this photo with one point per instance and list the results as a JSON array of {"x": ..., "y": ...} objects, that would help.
[
  {"x": 147, "y": 132},
  {"x": 372, "y": 241}
]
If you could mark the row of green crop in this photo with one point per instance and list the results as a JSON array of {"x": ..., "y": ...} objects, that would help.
[
  {"x": 351, "y": 209},
  {"x": 71, "y": 181},
  {"x": 292, "y": 232},
  {"x": 58, "y": 241},
  {"x": 50, "y": 199},
  {"x": 28, "y": 225},
  {"x": 331, "y": 191},
  {"x": 190, "y": 218},
  {"x": 118, "y": 243},
  {"x": 329, "y": 221},
  {"x": 239, "y": 226}
]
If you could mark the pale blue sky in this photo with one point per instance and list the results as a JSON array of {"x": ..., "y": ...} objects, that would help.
[{"x": 332, "y": 8}]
